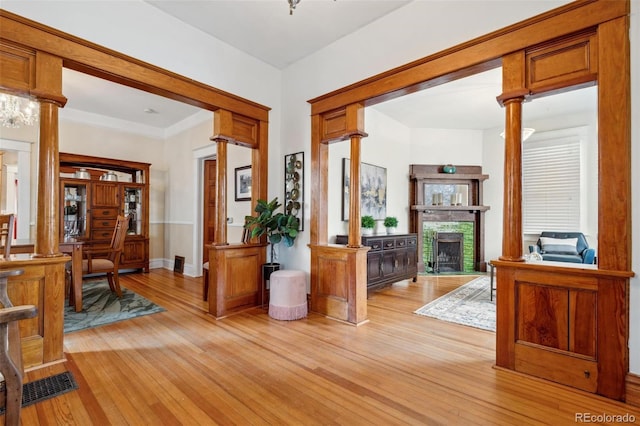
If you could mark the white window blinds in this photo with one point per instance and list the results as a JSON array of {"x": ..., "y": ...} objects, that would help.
[{"x": 551, "y": 185}]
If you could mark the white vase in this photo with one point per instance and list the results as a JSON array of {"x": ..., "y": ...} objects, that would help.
[
  {"x": 366, "y": 231},
  {"x": 391, "y": 229}
]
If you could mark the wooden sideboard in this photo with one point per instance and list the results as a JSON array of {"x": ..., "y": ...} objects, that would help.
[{"x": 392, "y": 258}]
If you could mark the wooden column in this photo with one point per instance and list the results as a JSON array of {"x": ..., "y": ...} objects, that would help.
[
  {"x": 47, "y": 227},
  {"x": 220, "y": 234},
  {"x": 355, "y": 238},
  {"x": 512, "y": 209},
  {"x": 319, "y": 183},
  {"x": 48, "y": 90},
  {"x": 514, "y": 90}
]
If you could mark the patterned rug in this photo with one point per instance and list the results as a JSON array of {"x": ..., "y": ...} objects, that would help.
[
  {"x": 101, "y": 306},
  {"x": 469, "y": 305}
]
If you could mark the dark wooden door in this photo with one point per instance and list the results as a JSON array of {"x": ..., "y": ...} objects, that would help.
[{"x": 209, "y": 205}]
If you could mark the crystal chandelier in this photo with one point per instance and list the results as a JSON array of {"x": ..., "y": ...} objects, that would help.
[
  {"x": 292, "y": 5},
  {"x": 17, "y": 111}
]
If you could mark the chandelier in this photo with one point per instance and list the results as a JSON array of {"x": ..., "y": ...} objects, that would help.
[
  {"x": 292, "y": 5},
  {"x": 16, "y": 111}
]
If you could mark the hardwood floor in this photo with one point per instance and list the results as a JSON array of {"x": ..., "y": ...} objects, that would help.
[{"x": 184, "y": 367}]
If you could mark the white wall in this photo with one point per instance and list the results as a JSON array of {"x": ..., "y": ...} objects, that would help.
[{"x": 388, "y": 146}]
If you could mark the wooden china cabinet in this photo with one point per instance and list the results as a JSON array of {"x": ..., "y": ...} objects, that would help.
[{"x": 94, "y": 191}]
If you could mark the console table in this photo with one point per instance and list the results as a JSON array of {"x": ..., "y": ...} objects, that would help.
[{"x": 392, "y": 258}]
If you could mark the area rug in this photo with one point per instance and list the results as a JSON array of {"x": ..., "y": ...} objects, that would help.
[
  {"x": 101, "y": 306},
  {"x": 469, "y": 305},
  {"x": 45, "y": 388}
]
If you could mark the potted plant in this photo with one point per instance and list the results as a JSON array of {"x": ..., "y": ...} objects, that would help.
[
  {"x": 278, "y": 227},
  {"x": 390, "y": 223},
  {"x": 367, "y": 223}
]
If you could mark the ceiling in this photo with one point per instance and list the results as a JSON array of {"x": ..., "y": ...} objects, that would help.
[
  {"x": 264, "y": 29},
  {"x": 269, "y": 33}
]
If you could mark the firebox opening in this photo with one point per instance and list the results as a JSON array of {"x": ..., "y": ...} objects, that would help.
[{"x": 448, "y": 252}]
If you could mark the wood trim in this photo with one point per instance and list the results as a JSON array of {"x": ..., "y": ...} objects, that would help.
[
  {"x": 235, "y": 128},
  {"x": 565, "y": 63},
  {"x": 474, "y": 56},
  {"x": 90, "y": 58},
  {"x": 42, "y": 285},
  {"x": 235, "y": 277},
  {"x": 614, "y": 145},
  {"x": 17, "y": 68},
  {"x": 632, "y": 389},
  {"x": 341, "y": 293},
  {"x": 319, "y": 183},
  {"x": 79, "y": 160}
]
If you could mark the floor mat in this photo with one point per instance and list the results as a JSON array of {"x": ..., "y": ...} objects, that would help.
[{"x": 48, "y": 387}]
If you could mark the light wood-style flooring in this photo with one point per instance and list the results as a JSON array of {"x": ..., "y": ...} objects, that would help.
[{"x": 182, "y": 367}]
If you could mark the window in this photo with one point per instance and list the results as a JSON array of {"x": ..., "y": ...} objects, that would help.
[{"x": 551, "y": 176}]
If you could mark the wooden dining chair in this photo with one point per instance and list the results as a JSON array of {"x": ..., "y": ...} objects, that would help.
[
  {"x": 7, "y": 222},
  {"x": 105, "y": 260},
  {"x": 11, "y": 349}
]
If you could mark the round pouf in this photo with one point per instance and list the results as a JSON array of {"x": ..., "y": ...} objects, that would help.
[{"x": 287, "y": 295}]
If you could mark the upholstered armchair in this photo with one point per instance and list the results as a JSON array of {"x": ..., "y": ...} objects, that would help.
[{"x": 564, "y": 247}]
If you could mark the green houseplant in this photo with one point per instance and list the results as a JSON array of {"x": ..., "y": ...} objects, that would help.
[
  {"x": 278, "y": 227},
  {"x": 367, "y": 223},
  {"x": 390, "y": 223}
]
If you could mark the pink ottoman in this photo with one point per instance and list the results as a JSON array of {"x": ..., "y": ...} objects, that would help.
[{"x": 287, "y": 295}]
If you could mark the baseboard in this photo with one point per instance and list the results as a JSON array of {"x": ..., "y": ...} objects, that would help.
[
  {"x": 157, "y": 264},
  {"x": 632, "y": 389},
  {"x": 189, "y": 268}
]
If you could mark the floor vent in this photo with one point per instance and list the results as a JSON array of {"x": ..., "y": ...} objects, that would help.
[{"x": 45, "y": 388}]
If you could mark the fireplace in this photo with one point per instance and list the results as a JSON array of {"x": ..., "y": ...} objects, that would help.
[
  {"x": 445, "y": 203},
  {"x": 448, "y": 252}
]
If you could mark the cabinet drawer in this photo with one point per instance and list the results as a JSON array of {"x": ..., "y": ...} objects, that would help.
[
  {"x": 101, "y": 234},
  {"x": 412, "y": 242},
  {"x": 97, "y": 214},
  {"x": 374, "y": 244},
  {"x": 98, "y": 223},
  {"x": 389, "y": 244},
  {"x": 401, "y": 242}
]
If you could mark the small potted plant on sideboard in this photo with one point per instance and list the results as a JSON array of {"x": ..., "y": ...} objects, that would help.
[
  {"x": 367, "y": 223},
  {"x": 390, "y": 223}
]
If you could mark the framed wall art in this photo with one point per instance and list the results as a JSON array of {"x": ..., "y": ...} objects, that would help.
[
  {"x": 243, "y": 183},
  {"x": 294, "y": 186},
  {"x": 373, "y": 190}
]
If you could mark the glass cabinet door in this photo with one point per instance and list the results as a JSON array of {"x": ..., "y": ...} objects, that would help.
[
  {"x": 132, "y": 208},
  {"x": 74, "y": 212}
]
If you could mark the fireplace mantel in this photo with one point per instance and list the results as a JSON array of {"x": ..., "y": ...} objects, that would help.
[{"x": 436, "y": 196}]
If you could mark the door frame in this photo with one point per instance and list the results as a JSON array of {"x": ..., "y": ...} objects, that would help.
[{"x": 208, "y": 152}]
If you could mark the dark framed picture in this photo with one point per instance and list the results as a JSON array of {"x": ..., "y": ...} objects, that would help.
[
  {"x": 243, "y": 183},
  {"x": 294, "y": 186},
  {"x": 373, "y": 190}
]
